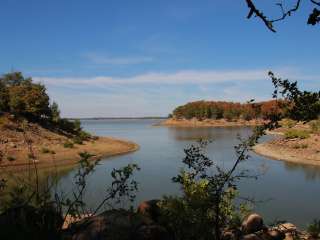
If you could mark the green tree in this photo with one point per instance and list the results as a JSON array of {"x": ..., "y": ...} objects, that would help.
[{"x": 55, "y": 112}]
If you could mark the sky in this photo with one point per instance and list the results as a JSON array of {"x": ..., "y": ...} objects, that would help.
[{"x": 125, "y": 58}]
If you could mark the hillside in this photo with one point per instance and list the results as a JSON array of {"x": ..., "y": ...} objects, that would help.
[
  {"x": 26, "y": 143},
  {"x": 32, "y": 130}
]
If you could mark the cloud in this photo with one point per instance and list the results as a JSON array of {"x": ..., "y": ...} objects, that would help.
[
  {"x": 158, "y": 93},
  {"x": 199, "y": 77},
  {"x": 176, "y": 78},
  {"x": 99, "y": 59}
]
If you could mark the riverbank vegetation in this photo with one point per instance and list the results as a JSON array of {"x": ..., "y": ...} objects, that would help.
[
  {"x": 207, "y": 208},
  {"x": 216, "y": 110}
]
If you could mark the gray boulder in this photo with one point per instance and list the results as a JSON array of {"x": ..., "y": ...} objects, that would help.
[{"x": 252, "y": 223}]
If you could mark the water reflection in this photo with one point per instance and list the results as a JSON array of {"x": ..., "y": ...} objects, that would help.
[
  {"x": 206, "y": 133},
  {"x": 311, "y": 172}
]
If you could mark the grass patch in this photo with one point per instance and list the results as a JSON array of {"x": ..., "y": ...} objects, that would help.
[
  {"x": 300, "y": 146},
  {"x": 11, "y": 158},
  {"x": 77, "y": 140},
  {"x": 68, "y": 145},
  {"x": 315, "y": 126},
  {"x": 288, "y": 123},
  {"x": 45, "y": 150},
  {"x": 294, "y": 133}
]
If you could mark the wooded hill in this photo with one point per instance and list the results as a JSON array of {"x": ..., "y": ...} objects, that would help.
[
  {"x": 228, "y": 110},
  {"x": 23, "y": 99}
]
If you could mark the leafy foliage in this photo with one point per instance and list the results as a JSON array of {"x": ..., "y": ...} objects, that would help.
[
  {"x": 314, "y": 228},
  {"x": 25, "y": 99},
  {"x": 313, "y": 18},
  {"x": 294, "y": 133},
  {"x": 228, "y": 110},
  {"x": 301, "y": 105},
  {"x": 207, "y": 204},
  {"x": 315, "y": 126}
]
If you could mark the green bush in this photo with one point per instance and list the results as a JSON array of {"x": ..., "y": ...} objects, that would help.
[
  {"x": 68, "y": 144},
  {"x": 11, "y": 158},
  {"x": 293, "y": 133},
  {"x": 300, "y": 146},
  {"x": 77, "y": 140},
  {"x": 314, "y": 229},
  {"x": 288, "y": 123},
  {"x": 45, "y": 150},
  {"x": 315, "y": 126}
]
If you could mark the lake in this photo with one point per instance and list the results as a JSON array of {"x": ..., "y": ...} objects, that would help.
[{"x": 283, "y": 191}]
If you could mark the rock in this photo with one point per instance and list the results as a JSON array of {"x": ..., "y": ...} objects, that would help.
[
  {"x": 252, "y": 223},
  {"x": 289, "y": 236},
  {"x": 28, "y": 222},
  {"x": 250, "y": 237},
  {"x": 231, "y": 234},
  {"x": 116, "y": 225},
  {"x": 274, "y": 235},
  {"x": 286, "y": 227},
  {"x": 150, "y": 209},
  {"x": 154, "y": 232}
]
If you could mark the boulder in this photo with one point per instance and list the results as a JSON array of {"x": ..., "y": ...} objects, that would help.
[
  {"x": 152, "y": 232},
  {"x": 28, "y": 222},
  {"x": 116, "y": 225},
  {"x": 250, "y": 237},
  {"x": 252, "y": 223},
  {"x": 286, "y": 227},
  {"x": 274, "y": 235},
  {"x": 150, "y": 209}
]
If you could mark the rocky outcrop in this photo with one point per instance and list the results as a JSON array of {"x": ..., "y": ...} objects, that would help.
[
  {"x": 252, "y": 223},
  {"x": 117, "y": 225},
  {"x": 142, "y": 225},
  {"x": 150, "y": 209}
]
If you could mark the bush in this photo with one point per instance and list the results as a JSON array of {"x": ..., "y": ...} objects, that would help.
[
  {"x": 288, "y": 123},
  {"x": 314, "y": 228},
  {"x": 77, "y": 140},
  {"x": 315, "y": 126},
  {"x": 68, "y": 145},
  {"x": 11, "y": 158},
  {"x": 45, "y": 150},
  {"x": 300, "y": 146},
  {"x": 293, "y": 133}
]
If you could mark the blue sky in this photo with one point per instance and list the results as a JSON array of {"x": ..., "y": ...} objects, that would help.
[{"x": 108, "y": 58}]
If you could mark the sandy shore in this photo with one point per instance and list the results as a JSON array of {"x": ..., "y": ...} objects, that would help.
[
  {"x": 302, "y": 151},
  {"x": 101, "y": 147},
  {"x": 208, "y": 123}
]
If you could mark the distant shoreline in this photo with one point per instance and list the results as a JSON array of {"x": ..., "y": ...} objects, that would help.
[
  {"x": 116, "y": 118},
  {"x": 208, "y": 123}
]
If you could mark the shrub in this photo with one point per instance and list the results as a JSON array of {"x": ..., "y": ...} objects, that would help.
[
  {"x": 11, "y": 158},
  {"x": 68, "y": 144},
  {"x": 45, "y": 150},
  {"x": 77, "y": 140},
  {"x": 300, "y": 146},
  {"x": 314, "y": 228},
  {"x": 293, "y": 133},
  {"x": 288, "y": 123},
  {"x": 315, "y": 126}
]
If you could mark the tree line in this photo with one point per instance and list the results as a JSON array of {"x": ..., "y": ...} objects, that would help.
[
  {"x": 228, "y": 110},
  {"x": 22, "y": 98}
]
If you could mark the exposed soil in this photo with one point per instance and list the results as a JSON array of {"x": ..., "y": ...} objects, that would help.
[
  {"x": 171, "y": 122},
  {"x": 18, "y": 145}
]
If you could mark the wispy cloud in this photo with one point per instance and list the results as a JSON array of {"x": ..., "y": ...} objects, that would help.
[
  {"x": 175, "y": 78},
  {"x": 106, "y": 60}
]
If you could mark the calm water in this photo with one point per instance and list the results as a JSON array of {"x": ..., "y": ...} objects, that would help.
[{"x": 284, "y": 191}]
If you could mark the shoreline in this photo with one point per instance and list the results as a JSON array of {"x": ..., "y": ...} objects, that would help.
[
  {"x": 281, "y": 152},
  {"x": 194, "y": 123},
  {"x": 103, "y": 147}
]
